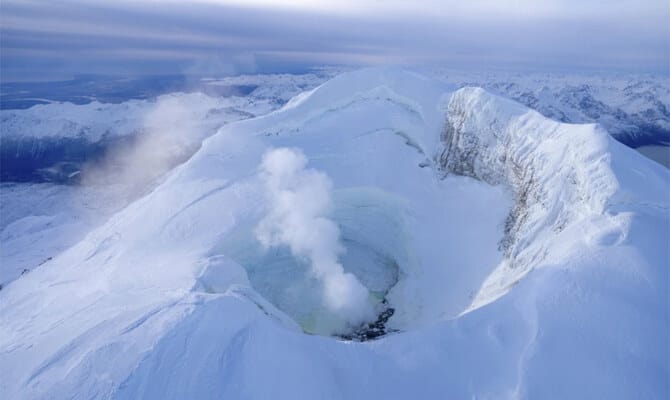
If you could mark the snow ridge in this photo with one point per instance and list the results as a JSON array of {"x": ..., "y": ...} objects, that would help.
[{"x": 560, "y": 173}]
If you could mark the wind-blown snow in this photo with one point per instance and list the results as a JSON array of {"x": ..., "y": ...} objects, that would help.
[{"x": 524, "y": 258}]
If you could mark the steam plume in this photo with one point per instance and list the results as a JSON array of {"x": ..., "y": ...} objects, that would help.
[
  {"x": 299, "y": 202},
  {"x": 169, "y": 134}
]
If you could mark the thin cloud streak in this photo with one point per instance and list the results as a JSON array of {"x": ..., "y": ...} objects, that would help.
[{"x": 95, "y": 37}]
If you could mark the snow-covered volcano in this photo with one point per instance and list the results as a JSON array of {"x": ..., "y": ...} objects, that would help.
[{"x": 520, "y": 257}]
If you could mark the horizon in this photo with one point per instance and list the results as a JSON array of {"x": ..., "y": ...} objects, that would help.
[{"x": 55, "y": 41}]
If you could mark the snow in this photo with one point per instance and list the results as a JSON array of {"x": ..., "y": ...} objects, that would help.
[
  {"x": 633, "y": 108},
  {"x": 41, "y": 220},
  {"x": 660, "y": 154},
  {"x": 58, "y": 216},
  {"x": 524, "y": 258},
  {"x": 96, "y": 121}
]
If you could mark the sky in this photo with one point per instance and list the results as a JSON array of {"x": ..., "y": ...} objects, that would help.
[{"x": 53, "y": 39}]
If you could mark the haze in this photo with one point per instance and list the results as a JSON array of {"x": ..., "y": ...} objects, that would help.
[{"x": 49, "y": 40}]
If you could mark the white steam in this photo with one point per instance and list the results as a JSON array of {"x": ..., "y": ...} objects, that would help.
[
  {"x": 299, "y": 202},
  {"x": 168, "y": 135}
]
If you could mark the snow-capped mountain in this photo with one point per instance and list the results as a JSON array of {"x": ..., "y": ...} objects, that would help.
[
  {"x": 492, "y": 252},
  {"x": 107, "y": 154},
  {"x": 635, "y": 109},
  {"x": 52, "y": 142}
]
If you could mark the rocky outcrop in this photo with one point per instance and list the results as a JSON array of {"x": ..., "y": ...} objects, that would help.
[{"x": 557, "y": 172}]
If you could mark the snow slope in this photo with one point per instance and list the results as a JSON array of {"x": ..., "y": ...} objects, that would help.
[
  {"x": 38, "y": 142},
  {"x": 524, "y": 258},
  {"x": 40, "y": 220},
  {"x": 111, "y": 152},
  {"x": 106, "y": 153}
]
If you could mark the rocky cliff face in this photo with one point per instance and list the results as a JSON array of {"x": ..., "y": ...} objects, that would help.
[{"x": 500, "y": 142}]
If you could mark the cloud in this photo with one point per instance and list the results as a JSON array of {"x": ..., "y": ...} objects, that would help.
[
  {"x": 458, "y": 8},
  {"x": 150, "y": 37},
  {"x": 299, "y": 203}
]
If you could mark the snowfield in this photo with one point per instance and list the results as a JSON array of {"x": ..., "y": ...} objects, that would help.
[{"x": 521, "y": 258}]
